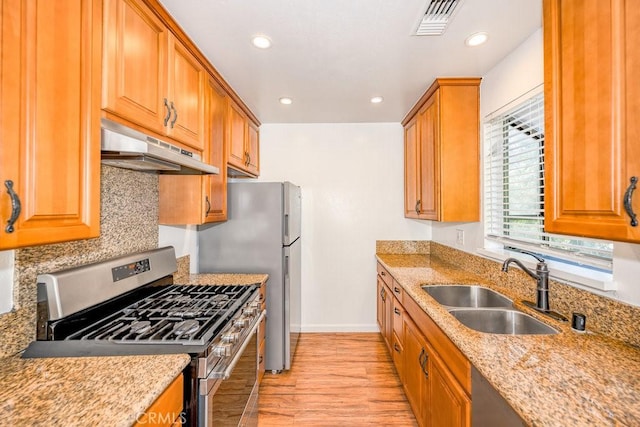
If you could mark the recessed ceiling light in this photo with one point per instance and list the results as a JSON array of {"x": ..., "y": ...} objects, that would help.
[
  {"x": 286, "y": 101},
  {"x": 262, "y": 42},
  {"x": 377, "y": 100},
  {"x": 476, "y": 39}
]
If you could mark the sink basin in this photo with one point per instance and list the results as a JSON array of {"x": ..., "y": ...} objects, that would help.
[
  {"x": 471, "y": 296},
  {"x": 501, "y": 321}
]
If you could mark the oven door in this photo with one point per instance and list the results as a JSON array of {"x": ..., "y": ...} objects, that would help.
[{"x": 232, "y": 400}]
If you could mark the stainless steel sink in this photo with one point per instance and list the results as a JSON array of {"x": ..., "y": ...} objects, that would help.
[
  {"x": 467, "y": 296},
  {"x": 501, "y": 321}
]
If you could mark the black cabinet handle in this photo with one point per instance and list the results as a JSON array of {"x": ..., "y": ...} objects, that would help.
[
  {"x": 175, "y": 115},
  {"x": 16, "y": 206},
  {"x": 396, "y": 311},
  {"x": 396, "y": 290},
  {"x": 206, "y": 200},
  {"x": 382, "y": 273},
  {"x": 396, "y": 347},
  {"x": 418, "y": 207},
  {"x": 627, "y": 201},
  {"x": 168, "y": 116},
  {"x": 423, "y": 359}
]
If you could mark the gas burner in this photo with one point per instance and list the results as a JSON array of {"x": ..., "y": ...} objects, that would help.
[
  {"x": 186, "y": 327},
  {"x": 220, "y": 298},
  {"x": 184, "y": 314},
  {"x": 140, "y": 327}
]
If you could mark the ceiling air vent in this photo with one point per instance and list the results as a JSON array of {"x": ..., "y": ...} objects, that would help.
[{"x": 437, "y": 17}]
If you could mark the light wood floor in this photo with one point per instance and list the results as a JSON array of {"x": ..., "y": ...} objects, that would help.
[{"x": 336, "y": 380}]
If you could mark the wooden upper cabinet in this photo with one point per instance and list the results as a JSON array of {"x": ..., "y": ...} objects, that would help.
[
  {"x": 151, "y": 78},
  {"x": 189, "y": 199},
  {"x": 592, "y": 101},
  {"x": 253, "y": 149},
  {"x": 244, "y": 143},
  {"x": 50, "y": 120},
  {"x": 216, "y": 186},
  {"x": 135, "y": 64},
  {"x": 411, "y": 169},
  {"x": 237, "y": 136},
  {"x": 187, "y": 100},
  {"x": 442, "y": 152}
]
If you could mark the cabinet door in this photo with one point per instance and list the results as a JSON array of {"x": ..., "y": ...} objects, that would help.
[
  {"x": 429, "y": 167},
  {"x": 237, "y": 137},
  {"x": 450, "y": 406},
  {"x": 50, "y": 130},
  {"x": 135, "y": 64},
  {"x": 195, "y": 199},
  {"x": 216, "y": 190},
  {"x": 416, "y": 371},
  {"x": 186, "y": 96},
  {"x": 380, "y": 306},
  {"x": 411, "y": 170},
  {"x": 253, "y": 149},
  {"x": 591, "y": 126}
]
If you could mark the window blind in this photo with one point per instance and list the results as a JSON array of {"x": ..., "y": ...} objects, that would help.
[{"x": 514, "y": 186}]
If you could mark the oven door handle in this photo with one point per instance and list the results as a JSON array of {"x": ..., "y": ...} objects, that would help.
[{"x": 227, "y": 373}]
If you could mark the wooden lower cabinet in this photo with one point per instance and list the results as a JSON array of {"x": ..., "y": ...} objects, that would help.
[
  {"x": 450, "y": 404},
  {"x": 262, "y": 328},
  {"x": 416, "y": 380},
  {"x": 166, "y": 410},
  {"x": 435, "y": 375}
]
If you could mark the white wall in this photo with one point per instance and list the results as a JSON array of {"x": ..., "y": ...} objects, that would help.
[
  {"x": 352, "y": 195},
  {"x": 516, "y": 74},
  {"x": 184, "y": 239}
]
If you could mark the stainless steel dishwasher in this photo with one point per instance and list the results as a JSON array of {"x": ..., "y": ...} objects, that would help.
[{"x": 488, "y": 407}]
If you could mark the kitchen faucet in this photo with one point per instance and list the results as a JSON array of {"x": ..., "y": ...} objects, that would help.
[{"x": 541, "y": 276}]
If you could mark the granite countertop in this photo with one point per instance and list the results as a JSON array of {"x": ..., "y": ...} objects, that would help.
[
  {"x": 93, "y": 391},
  {"x": 83, "y": 391},
  {"x": 566, "y": 379},
  {"x": 223, "y": 279}
]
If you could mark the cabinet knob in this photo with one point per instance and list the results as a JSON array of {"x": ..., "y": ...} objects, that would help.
[
  {"x": 16, "y": 206},
  {"x": 627, "y": 201}
]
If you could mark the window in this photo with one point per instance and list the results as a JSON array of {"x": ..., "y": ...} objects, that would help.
[{"x": 514, "y": 187}]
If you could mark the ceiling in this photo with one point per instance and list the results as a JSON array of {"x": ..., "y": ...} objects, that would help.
[{"x": 332, "y": 56}]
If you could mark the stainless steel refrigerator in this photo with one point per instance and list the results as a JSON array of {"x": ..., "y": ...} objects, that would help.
[{"x": 262, "y": 235}]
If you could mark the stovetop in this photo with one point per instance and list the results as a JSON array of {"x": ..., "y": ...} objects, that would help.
[{"x": 176, "y": 314}]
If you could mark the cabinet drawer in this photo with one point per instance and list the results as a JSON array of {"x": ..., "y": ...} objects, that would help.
[
  {"x": 397, "y": 355},
  {"x": 263, "y": 295},
  {"x": 384, "y": 274},
  {"x": 398, "y": 315}
]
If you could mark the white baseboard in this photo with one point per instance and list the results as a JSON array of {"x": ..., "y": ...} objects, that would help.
[{"x": 340, "y": 328}]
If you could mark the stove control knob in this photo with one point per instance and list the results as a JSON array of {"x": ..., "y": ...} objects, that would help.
[
  {"x": 250, "y": 311},
  {"x": 223, "y": 350},
  {"x": 241, "y": 322},
  {"x": 230, "y": 337}
]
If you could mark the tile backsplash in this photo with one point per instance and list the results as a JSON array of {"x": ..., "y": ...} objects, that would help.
[{"x": 128, "y": 223}]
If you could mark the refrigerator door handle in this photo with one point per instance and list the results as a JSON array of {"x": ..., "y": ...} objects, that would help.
[
  {"x": 286, "y": 265},
  {"x": 286, "y": 226}
]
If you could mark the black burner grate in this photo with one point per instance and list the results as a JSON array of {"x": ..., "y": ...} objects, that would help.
[{"x": 189, "y": 315}]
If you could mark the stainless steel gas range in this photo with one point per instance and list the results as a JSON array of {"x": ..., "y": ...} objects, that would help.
[{"x": 129, "y": 305}]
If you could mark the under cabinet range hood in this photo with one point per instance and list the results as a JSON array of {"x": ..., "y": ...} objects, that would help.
[{"x": 127, "y": 148}]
